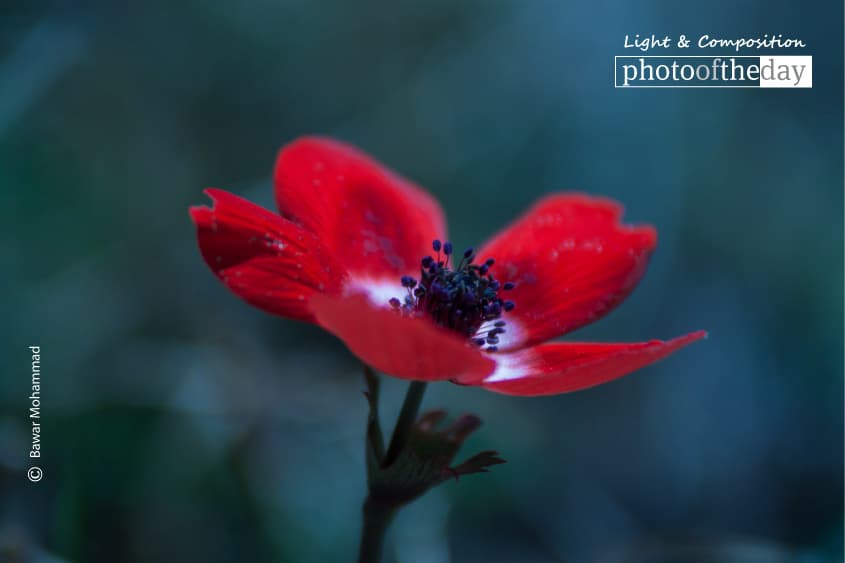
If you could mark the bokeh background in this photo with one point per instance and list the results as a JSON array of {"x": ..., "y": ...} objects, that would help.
[{"x": 181, "y": 425}]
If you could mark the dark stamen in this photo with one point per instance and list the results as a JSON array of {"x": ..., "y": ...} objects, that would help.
[{"x": 462, "y": 297}]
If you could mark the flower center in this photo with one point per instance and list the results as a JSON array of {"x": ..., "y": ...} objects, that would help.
[{"x": 463, "y": 297}]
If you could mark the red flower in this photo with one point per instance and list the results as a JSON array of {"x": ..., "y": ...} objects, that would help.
[{"x": 356, "y": 249}]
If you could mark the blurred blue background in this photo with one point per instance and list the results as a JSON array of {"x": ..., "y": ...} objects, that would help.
[{"x": 181, "y": 425}]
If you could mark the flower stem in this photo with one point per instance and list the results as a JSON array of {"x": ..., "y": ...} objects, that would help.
[
  {"x": 407, "y": 417},
  {"x": 377, "y": 518},
  {"x": 378, "y": 512}
]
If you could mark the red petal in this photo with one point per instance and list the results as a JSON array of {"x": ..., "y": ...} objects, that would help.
[
  {"x": 401, "y": 346},
  {"x": 267, "y": 260},
  {"x": 571, "y": 260},
  {"x": 550, "y": 369},
  {"x": 378, "y": 224}
]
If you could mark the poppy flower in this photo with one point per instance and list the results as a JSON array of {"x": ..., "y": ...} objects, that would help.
[{"x": 363, "y": 253}]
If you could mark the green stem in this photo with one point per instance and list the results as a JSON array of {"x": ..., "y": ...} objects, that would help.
[
  {"x": 407, "y": 417},
  {"x": 378, "y": 513},
  {"x": 377, "y": 518}
]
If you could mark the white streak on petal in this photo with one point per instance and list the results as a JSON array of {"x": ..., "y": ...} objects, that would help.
[
  {"x": 512, "y": 338},
  {"x": 508, "y": 366},
  {"x": 380, "y": 291}
]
